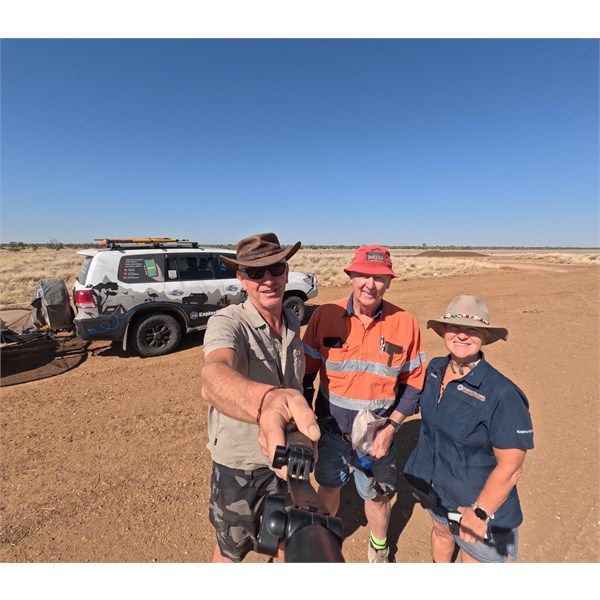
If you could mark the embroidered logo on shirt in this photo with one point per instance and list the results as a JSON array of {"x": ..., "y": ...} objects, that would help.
[
  {"x": 524, "y": 430},
  {"x": 461, "y": 388}
]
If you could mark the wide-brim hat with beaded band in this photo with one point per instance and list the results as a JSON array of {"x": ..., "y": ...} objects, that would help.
[
  {"x": 469, "y": 311},
  {"x": 260, "y": 250}
]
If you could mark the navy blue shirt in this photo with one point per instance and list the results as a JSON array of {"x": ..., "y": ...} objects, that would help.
[{"x": 455, "y": 451}]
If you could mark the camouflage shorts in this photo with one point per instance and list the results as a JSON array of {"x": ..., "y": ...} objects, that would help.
[{"x": 236, "y": 501}]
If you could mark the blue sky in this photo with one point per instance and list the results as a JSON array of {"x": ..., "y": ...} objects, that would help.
[{"x": 482, "y": 142}]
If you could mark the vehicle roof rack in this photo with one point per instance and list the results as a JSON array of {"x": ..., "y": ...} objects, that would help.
[{"x": 116, "y": 243}]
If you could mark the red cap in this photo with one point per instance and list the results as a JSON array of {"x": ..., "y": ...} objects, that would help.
[{"x": 371, "y": 260}]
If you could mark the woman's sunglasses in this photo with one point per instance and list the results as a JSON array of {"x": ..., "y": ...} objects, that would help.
[{"x": 259, "y": 272}]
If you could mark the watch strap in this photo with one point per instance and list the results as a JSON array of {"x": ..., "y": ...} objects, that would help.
[
  {"x": 393, "y": 423},
  {"x": 481, "y": 513}
]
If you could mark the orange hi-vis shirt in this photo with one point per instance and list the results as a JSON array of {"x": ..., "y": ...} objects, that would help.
[{"x": 381, "y": 368}]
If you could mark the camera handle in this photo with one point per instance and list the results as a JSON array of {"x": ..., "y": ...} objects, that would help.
[{"x": 299, "y": 517}]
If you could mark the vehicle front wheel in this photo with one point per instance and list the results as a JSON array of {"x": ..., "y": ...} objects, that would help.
[
  {"x": 155, "y": 335},
  {"x": 296, "y": 305}
]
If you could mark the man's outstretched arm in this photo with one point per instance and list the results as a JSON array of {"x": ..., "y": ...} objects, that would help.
[{"x": 236, "y": 396}]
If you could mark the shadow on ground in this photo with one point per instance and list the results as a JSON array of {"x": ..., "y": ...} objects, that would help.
[
  {"x": 188, "y": 341},
  {"x": 40, "y": 359},
  {"x": 352, "y": 510}
]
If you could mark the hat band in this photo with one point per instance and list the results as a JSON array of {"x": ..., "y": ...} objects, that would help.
[
  {"x": 255, "y": 255},
  {"x": 461, "y": 316}
]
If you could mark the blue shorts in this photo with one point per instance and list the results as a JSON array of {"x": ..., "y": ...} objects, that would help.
[
  {"x": 496, "y": 549},
  {"x": 336, "y": 459}
]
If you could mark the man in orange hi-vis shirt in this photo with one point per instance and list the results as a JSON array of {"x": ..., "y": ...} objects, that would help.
[{"x": 369, "y": 355}]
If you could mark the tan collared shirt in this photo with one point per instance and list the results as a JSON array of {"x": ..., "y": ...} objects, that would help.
[{"x": 261, "y": 358}]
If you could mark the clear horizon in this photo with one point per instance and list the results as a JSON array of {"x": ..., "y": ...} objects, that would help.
[
  {"x": 442, "y": 142},
  {"x": 8, "y": 245}
]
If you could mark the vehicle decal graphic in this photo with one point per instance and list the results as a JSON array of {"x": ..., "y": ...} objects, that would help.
[
  {"x": 115, "y": 299},
  {"x": 115, "y": 321}
]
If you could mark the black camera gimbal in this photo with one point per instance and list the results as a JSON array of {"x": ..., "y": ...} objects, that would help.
[{"x": 299, "y": 517}]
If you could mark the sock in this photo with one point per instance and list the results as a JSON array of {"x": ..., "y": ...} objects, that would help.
[{"x": 378, "y": 544}]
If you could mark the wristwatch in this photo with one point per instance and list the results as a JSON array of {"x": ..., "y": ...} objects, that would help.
[
  {"x": 480, "y": 513},
  {"x": 393, "y": 423}
]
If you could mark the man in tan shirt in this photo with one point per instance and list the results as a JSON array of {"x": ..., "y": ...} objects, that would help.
[{"x": 252, "y": 381}]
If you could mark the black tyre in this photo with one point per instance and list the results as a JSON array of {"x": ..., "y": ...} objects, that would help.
[
  {"x": 155, "y": 335},
  {"x": 296, "y": 305}
]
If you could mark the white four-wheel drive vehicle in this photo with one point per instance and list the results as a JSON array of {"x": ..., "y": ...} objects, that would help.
[{"x": 148, "y": 292}]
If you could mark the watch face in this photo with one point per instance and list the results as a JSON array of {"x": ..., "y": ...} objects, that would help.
[{"x": 481, "y": 513}]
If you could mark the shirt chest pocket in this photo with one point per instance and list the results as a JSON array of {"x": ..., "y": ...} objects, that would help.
[
  {"x": 393, "y": 355},
  {"x": 334, "y": 355},
  {"x": 260, "y": 359},
  {"x": 287, "y": 369},
  {"x": 463, "y": 418}
]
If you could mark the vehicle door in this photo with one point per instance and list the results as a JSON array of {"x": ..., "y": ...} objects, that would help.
[
  {"x": 190, "y": 280},
  {"x": 233, "y": 291}
]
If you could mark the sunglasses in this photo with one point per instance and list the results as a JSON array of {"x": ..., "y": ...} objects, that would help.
[{"x": 259, "y": 272}]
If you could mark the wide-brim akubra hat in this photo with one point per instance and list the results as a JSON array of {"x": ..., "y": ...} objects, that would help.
[
  {"x": 469, "y": 311},
  {"x": 260, "y": 250}
]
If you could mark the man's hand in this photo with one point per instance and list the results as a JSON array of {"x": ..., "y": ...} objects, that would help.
[
  {"x": 279, "y": 407},
  {"x": 385, "y": 436},
  {"x": 382, "y": 442}
]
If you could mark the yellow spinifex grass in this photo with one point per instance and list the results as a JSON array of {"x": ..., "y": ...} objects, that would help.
[
  {"x": 560, "y": 258},
  {"x": 20, "y": 271},
  {"x": 329, "y": 265}
]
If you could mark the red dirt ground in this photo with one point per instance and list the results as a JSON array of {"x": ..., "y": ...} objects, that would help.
[{"x": 103, "y": 455}]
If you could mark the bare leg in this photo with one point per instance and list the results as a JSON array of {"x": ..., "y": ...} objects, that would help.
[
  {"x": 463, "y": 557},
  {"x": 378, "y": 513},
  {"x": 331, "y": 498},
  {"x": 219, "y": 558},
  {"x": 280, "y": 556},
  {"x": 442, "y": 543}
]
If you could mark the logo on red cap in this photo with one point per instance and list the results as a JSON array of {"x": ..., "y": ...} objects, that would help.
[{"x": 373, "y": 260}]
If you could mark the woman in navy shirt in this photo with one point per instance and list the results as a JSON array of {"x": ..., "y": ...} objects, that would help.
[{"x": 475, "y": 432}]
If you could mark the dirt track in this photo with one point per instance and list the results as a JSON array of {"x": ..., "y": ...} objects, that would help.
[{"x": 106, "y": 461}]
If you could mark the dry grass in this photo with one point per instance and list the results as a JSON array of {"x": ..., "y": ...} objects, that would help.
[
  {"x": 329, "y": 265},
  {"x": 560, "y": 258},
  {"x": 20, "y": 271}
]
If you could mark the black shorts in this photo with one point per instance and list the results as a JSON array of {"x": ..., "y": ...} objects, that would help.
[{"x": 236, "y": 501}]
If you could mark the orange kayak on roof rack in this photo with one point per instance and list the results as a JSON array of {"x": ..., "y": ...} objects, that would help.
[{"x": 148, "y": 240}]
